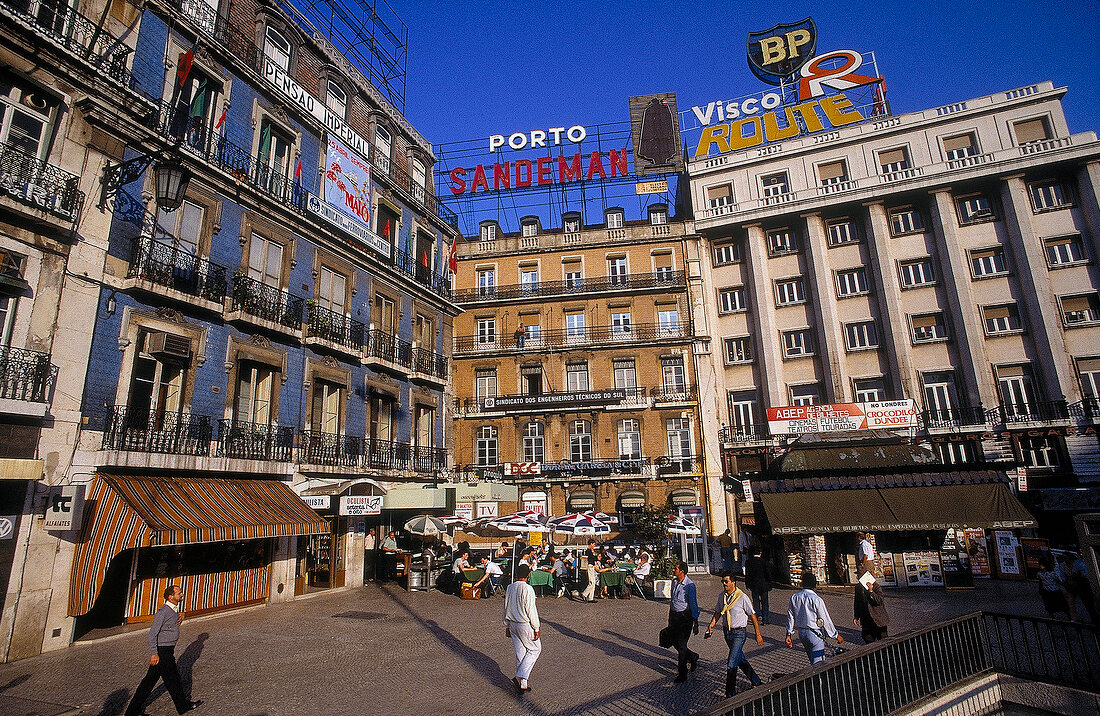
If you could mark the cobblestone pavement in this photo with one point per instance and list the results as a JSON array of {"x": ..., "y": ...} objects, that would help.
[{"x": 380, "y": 650}]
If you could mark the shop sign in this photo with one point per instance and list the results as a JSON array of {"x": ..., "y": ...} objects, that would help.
[
  {"x": 488, "y": 510},
  {"x": 746, "y": 487},
  {"x": 314, "y": 107},
  {"x": 799, "y": 419},
  {"x": 517, "y": 469},
  {"x": 464, "y": 510},
  {"x": 592, "y": 397},
  {"x": 7, "y": 526},
  {"x": 604, "y": 466},
  {"x": 347, "y": 182},
  {"x": 655, "y": 134},
  {"x": 318, "y": 502},
  {"x": 1021, "y": 479},
  {"x": 346, "y": 224},
  {"x": 777, "y": 53},
  {"x": 360, "y": 505},
  {"x": 651, "y": 187},
  {"x": 544, "y": 171},
  {"x": 65, "y": 507}
]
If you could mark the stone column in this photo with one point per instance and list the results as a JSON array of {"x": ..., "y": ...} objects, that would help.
[
  {"x": 833, "y": 357},
  {"x": 895, "y": 330},
  {"x": 769, "y": 352}
]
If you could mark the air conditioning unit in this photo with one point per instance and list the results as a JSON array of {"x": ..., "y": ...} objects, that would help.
[{"x": 168, "y": 345}]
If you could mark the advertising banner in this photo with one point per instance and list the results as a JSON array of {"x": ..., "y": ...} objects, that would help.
[
  {"x": 360, "y": 505},
  {"x": 347, "y": 182},
  {"x": 464, "y": 510},
  {"x": 799, "y": 419},
  {"x": 1008, "y": 563},
  {"x": 922, "y": 569}
]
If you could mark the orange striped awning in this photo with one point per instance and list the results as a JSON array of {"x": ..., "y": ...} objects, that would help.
[{"x": 126, "y": 512}]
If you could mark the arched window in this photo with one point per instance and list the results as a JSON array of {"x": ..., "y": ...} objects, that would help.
[
  {"x": 580, "y": 501},
  {"x": 486, "y": 447},
  {"x": 683, "y": 498},
  {"x": 337, "y": 100},
  {"x": 277, "y": 48}
]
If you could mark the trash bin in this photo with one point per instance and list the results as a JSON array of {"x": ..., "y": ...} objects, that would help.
[{"x": 418, "y": 579}]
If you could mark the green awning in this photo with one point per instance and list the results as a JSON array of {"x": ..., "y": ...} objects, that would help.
[{"x": 818, "y": 512}]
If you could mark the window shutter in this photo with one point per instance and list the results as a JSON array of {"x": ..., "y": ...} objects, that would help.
[
  {"x": 892, "y": 156},
  {"x": 964, "y": 141},
  {"x": 1031, "y": 130},
  {"x": 832, "y": 170},
  {"x": 719, "y": 192}
]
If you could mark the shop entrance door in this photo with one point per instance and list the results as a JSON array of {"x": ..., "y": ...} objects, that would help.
[
  {"x": 312, "y": 569},
  {"x": 693, "y": 547},
  {"x": 337, "y": 562}
]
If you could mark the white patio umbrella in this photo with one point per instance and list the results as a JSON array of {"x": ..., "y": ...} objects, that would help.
[
  {"x": 525, "y": 522},
  {"x": 679, "y": 526},
  {"x": 452, "y": 520},
  {"x": 425, "y": 526},
  {"x": 602, "y": 517},
  {"x": 578, "y": 524}
]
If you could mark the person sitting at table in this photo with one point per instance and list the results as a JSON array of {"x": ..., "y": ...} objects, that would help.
[
  {"x": 640, "y": 573},
  {"x": 605, "y": 563},
  {"x": 491, "y": 579},
  {"x": 461, "y": 564},
  {"x": 561, "y": 575},
  {"x": 503, "y": 550}
]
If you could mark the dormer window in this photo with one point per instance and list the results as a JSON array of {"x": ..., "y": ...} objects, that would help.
[
  {"x": 337, "y": 100},
  {"x": 658, "y": 215},
  {"x": 529, "y": 226},
  {"x": 571, "y": 223},
  {"x": 614, "y": 218},
  {"x": 277, "y": 48},
  {"x": 488, "y": 231}
]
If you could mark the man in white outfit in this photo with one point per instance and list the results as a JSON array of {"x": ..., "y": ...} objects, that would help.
[
  {"x": 808, "y": 615},
  {"x": 864, "y": 552},
  {"x": 521, "y": 623}
]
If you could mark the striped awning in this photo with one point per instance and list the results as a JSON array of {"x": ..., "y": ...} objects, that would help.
[{"x": 125, "y": 512}]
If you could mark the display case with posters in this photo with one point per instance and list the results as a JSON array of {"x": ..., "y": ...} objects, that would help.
[
  {"x": 1034, "y": 549},
  {"x": 978, "y": 550},
  {"x": 922, "y": 569},
  {"x": 886, "y": 569},
  {"x": 1008, "y": 559},
  {"x": 956, "y": 561}
]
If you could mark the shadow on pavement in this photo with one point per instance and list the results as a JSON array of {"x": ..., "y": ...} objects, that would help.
[
  {"x": 187, "y": 660},
  {"x": 15, "y": 682},
  {"x": 656, "y": 650},
  {"x": 610, "y": 648},
  {"x": 115, "y": 702}
]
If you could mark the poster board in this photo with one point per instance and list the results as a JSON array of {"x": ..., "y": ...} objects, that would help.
[
  {"x": 1034, "y": 549},
  {"x": 978, "y": 549},
  {"x": 887, "y": 569},
  {"x": 1006, "y": 547},
  {"x": 956, "y": 561},
  {"x": 922, "y": 569}
]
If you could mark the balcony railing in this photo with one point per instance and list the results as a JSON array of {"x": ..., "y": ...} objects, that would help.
[
  {"x": 35, "y": 183},
  {"x": 577, "y": 337},
  {"x": 389, "y": 348},
  {"x": 24, "y": 374},
  {"x": 671, "y": 280},
  {"x": 317, "y": 448},
  {"x": 1046, "y": 411},
  {"x": 178, "y": 270},
  {"x": 174, "y": 433},
  {"x": 954, "y": 417},
  {"x": 675, "y": 393},
  {"x": 743, "y": 434},
  {"x": 337, "y": 328},
  {"x": 680, "y": 465},
  {"x": 255, "y": 441},
  {"x": 427, "y": 362},
  {"x": 1087, "y": 410},
  {"x": 368, "y": 453},
  {"x": 77, "y": 34},
  {"x": 266, "y": 302}
]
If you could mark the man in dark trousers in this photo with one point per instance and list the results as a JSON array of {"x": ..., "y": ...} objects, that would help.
[
  {"x": 756, "y": 579},
  {"x": 163, "y": 635},
  {"x": 683, "y": 621},
  {"x": 870, "y": 608}
]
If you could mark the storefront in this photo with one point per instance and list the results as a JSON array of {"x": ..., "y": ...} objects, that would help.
[
  {"x": 216, "y": 538},
  {"x": 333, "y": 558}
]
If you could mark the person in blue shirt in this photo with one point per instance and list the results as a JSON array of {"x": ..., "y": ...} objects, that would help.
[{"x": 683, "y": 621}]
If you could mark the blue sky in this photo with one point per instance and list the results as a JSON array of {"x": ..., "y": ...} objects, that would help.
[{"x": 478, "y": 68}]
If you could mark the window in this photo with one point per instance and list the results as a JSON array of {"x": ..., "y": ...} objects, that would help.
[
  {"x": 851, "y": 282},
  {"x": 832, "y": 173},
  {"x": 662, "y": 267},
  {"x": 533, "y": 443},
  {"x": 486, "y": 330},
  {"x": 782, "y": 241},
  {"x": 424, "y": 426},
  {"x": 486, "y": 281},
  {"x": 739, "y": 349},
  {"x": 8, "y": 305},
  {"x": 956, "y": 453},
  {"x": 1080, "y": 310},
  {"x": 720, "y": 196},
  {"x": 678, "y": 431},
  {"x": 616, "y": 270},
  {"x": 331, "y": 290},
  {"x": 486, "y": 382},
  {"x": 424, "y": 331},
  {"x": 727, "y": 254},
  {"x": 273, "y": 163},
  {"x": 382, "y": 408},
  {"x": 798, "y": 343},
  {"x": 789, "y": 292},
  {"x": 861, "y": 336},
  {"x": 625, "y": 374},
  {"x": 658, "y": 216},
  {"x": 905, "y": 220},
  {"x": 576, "y": 376},
  {"x": 959, "y": 147},
  {"x": 614, "y": 219},
  {"x": 277, "y": 49},
  {"x": 572, "y": 273},
  {"x": 842, "y": 231},
  {"x": 529, "y": 279},
  {"x": 486, "y": 446},
  {"x": 805, "y": 394},
  {"x": 574, "y": 325},
  {"x": 571, "y": 224},
  {"x": 743, "y": 409},
  {"x": 193, "y": 114},
  {"x": 157, "y": 386},
  {"x": 419, "y": 180},
  {"x": 530, "y": 378},
  {"x": 324, "y": 412},
  {"x": 1065, "y": 250},
  {"x": 1040, "y": 452},
  {"x": 630, "y": 439},
  {"x": 988, "y": 262},
  {"x": 1017, "y": 389},
  {"x": 336, "y": 99},
  {"x": 27, "y": 115},
  {"x": 532, "y": 331},
  {"x": 383, "y": 314},
  {"x": 385, "y": 224},
  {"x": 488, "y": 232},
  {"x": 185, "y": 224},
  {"x": 894, "y": 160},
  {"x": 775, "y": 185},
  {"x": 668, "y": 322},
  {"x": 731, "y": 300},
  {"x": 580, "y": 441},
  {"x": 265, "y": 261},
  {"x": 974, "y": 209},
  {"x": 940, "y": 396},
  {"x": 1001, "y": 319},
  {"x": 1031, "y": 130},
  {"x": 1048, "y": 195},
  {"x": 929, "y": 327},
  {"x": 869, "y": 390},
  {"x": 529, "y": 228},
  {"x": 620, "y": 323},
  {"x": 1088, "y": 372},
  {"x": 383, "y": 147},
  {"x": 917, "y": 272},
  {"x": 673, "y": 378}
]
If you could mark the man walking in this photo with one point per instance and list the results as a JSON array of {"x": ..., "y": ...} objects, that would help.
[
  {"x": 683, "y": 620},
  {"x": 521, "y": 623},
  {"x": 807, "y": 613},
  {"x": 734, "y": 611},
  {"x": 756, "y": 579},
  {"x": 870, "y": 608},
  {"x": 163, "y": 635}
]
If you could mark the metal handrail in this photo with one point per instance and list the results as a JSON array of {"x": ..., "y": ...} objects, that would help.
[
  {"x": 39, "y": 184},
  {"x": 602, "y": 284},
  {"x": 587, "y": 335},
  {"x": 335, "y": 327},
  {"x": 159, "y": 431},
  {"x": 167, "y": 266},
  {"x": 1036, "y": 411},
  {"x": 255, "y": 441},
  {"x": 427, "y": 362},
  {"x": 319, "y": 448},
  {"x": 954, "y": 417},
  {"x": 1048, "y": 650},
  {"x": 267, "y": 302},
  {"x": 388, "y": 347},
  {"x": 24, "y": 374}
]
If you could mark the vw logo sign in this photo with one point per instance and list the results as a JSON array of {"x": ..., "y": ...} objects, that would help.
[{"x": 7, "y": 527}]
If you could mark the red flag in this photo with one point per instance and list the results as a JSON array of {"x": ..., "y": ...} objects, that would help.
[
  {"x": 424, "y": 260},
  {"x": 298, "y": 169},
  {"x": 453, "y": 260},
  {"x": 221, "y": 120},
  {"x": 183, "y": 69}
]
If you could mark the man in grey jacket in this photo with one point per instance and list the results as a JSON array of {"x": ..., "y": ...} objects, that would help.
[{"x": 163, "y": 635}]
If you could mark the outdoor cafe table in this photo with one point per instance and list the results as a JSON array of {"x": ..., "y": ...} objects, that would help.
[
  {"x": 616, "y": 578},
  {"x": 473, "y": 575},
  {"x": 540, "y": 578}
]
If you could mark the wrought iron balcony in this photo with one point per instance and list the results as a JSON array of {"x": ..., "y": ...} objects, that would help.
[
  {"x": 255, "y": 441},
  {"x": 675, "y": 393},
  {"x": 604, "y": 284},
  {"x": 576, "y": 337},
  {"x": 1087, "y": 410},
  {"x": 743, "y": 434},
  {"x": 429, "y": 363},
  {"x": 267, "y": 302},
  {"x": 35, "y": 183},
  {"x": 159, "y": 431},
  {"x": 954, "y": 418},
  {"x": 77, "y": 34},
  {"x": 178, "y": 270},
  {"x": 388, "y": 348},
  {"x": 1047, "y": 411},
  {"x": 316, "y": 448},
  {"x": 24, "y": 374},
  {"x": 679, "y": 465},
  {"x": 337, "y": 328},
  {"x": 206, "y": 18}
]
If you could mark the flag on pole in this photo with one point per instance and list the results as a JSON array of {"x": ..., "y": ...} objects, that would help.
[
  {"x": 298, "y": 169},
  {"x": 221, "y": 119},
  {"x": 453, "y": 260},
  {"x": 183, "y": 68},
  {"x": 424, "y": 260}
]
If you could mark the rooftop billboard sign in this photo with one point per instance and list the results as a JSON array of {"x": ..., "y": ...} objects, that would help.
[{"x": 835, "y": 417}]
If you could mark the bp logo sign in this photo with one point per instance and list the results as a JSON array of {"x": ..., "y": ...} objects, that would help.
[{"x": 779, "y": 52}]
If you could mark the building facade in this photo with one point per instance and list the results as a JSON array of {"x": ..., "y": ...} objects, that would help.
[
  {"x": 575, "y": 353},
  {"x": 256, "y": 343},
  {"x": 946, "y": 256}
]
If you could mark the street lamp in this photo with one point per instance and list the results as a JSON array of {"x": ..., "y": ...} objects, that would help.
[{"x": 172, "y": 179}]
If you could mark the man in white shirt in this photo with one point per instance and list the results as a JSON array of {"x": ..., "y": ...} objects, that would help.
[
  {"x": 369, "y": 545},
  {"x": 491, "y": 579},
  {"x": 808, "y": 614},
  {"x": 733, "y": 610},
  {"x": 521, "y": 623},
  {"x": 864, "y": 553}
]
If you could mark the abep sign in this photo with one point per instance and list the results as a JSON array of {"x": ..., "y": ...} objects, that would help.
[
  {"x": 799, "y": 419},
  {"x": 347, "y": 182}
]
